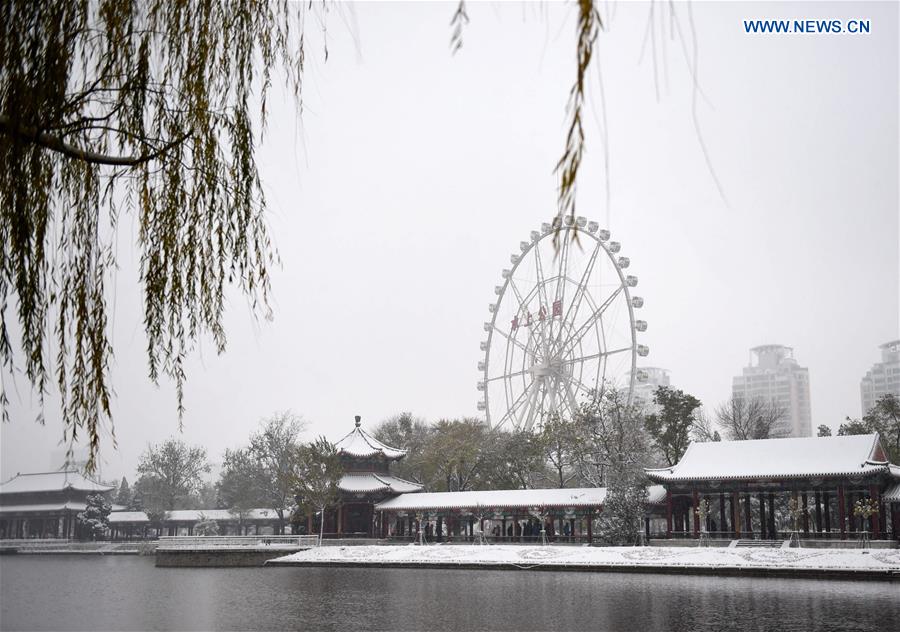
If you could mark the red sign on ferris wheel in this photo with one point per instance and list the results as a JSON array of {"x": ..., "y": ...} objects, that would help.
[{"x": 542, "y": 315}]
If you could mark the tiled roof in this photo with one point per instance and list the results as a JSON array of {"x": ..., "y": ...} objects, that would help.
[
  {"x": 360, "y": 443},
  {"x": 370, "y": 482},
  {"x": 51, "y": 482},
  {"x": 777, "y": 458}
]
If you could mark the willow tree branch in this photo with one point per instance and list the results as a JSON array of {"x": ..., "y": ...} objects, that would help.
[{"x": 57, "y": 144}]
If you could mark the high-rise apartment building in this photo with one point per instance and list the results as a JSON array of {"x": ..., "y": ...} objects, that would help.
[
  {"x": 883, "y": 377},
  {"x": 776, "y": 377},
  {"x": 649, "y": 378}
]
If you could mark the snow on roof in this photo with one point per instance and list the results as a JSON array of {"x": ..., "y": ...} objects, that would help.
[
  {"x": 51, "y": 482},
  {"x": 118, "y": 517},
  {"x": 777, "y": 458},
  {"x": 360, "y": 443},
  {"x": 43, "y": 508},
  {"x": 370, "y": 482},
  {"x": 572, "y": 497}
]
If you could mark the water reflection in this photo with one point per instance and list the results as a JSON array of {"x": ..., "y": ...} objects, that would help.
[{"x": 129, "y": 593}]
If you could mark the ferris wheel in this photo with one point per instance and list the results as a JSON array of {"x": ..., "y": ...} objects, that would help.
[{"x": 562, "y": 327}]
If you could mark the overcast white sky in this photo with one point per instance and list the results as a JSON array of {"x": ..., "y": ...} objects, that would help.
[{"x": 415, "y": 173}]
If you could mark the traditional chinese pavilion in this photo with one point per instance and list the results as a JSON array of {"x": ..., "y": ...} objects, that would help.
[
  {"x": 45, "y": 505},
  {"x": 367, "y": 480},
  {"x": 749, "y": 487}
]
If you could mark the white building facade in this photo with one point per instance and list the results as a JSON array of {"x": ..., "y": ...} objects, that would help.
[
  {"x": 776, "y": 377},
  {"x": 649, "y": 379},
  {"x": 883, "y": 378}
]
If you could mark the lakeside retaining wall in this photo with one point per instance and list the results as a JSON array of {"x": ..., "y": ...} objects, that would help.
[{"x": 220, "y": 557}]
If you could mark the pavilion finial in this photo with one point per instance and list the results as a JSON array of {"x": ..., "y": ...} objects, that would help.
[{"x": 358, "y": 420}]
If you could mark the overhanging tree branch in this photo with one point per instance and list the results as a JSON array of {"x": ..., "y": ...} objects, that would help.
[{"x": 57, "y": 144}]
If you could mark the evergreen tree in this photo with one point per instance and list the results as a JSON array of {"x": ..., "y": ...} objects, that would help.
[
  {"x": 621, "y": 520},
  {"x": 670, "y": 427},
  {"x": 206, "y": 526},
  {"x": 883, "y": 418},
  {"x": 618, "y": 447},
  {"x": 124, "y": 496},
  {"x": 95, "y": 517}
]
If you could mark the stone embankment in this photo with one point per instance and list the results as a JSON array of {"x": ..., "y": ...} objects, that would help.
[
  {"x": 882, "y": 564},
  {"x": 225, "y": 551}
]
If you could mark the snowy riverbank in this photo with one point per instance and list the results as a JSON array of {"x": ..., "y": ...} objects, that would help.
[{"x": 876, "y": 563}]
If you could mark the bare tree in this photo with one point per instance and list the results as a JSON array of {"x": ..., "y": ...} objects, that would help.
[
  {"x": 170, "y": 473},
  {"x": 611, "y": 433},
  {"x": 318, "y": 474},
  {"x": 704, "y": 429},
  {"x": 617, "y": 446},
  {"x": 274, "y": 447},
  {"x": 745, "y": 419},
  {"x": 558, "y": 442}
]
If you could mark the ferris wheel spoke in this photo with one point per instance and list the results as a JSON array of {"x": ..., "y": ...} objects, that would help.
[
  {"x": 507, "y": 375},
  {"x": 581, "y": 386},
  {"x": 539, "y": 267},
  {"x": 573, "y": 403},
  {"x": 510, "y": 338},
  {"x": 580, "y": 291},
  {"x": 516, "y": 404},
  {"x": 593, "y": 356},
  {"x": 586, "y": 325},
  {"x": 563, "y": 266},
  {"x": 515, "y": 289},
  {"x": 530, "y": 410}
]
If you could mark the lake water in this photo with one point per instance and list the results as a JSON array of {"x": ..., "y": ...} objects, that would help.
[{"x": 128, "y": 593}]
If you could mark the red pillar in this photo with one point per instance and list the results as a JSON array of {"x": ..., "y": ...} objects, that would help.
[
  {"x": 668, "y": 515},
  {"x": 736, "y": 514},
  {"x": 696, "y": 505},
  {"x": 805, "y": 514},
  {"x": 876, "y": 518},
  {"x": 841, "y": 509}
]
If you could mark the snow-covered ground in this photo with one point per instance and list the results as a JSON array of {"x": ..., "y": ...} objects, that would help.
[{"x": 886, "y": 560}]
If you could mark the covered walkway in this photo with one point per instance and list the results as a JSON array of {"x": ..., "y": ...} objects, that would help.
[
  {"x": 503, "y": 515},
  {"x": 768, "y": 489}
]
